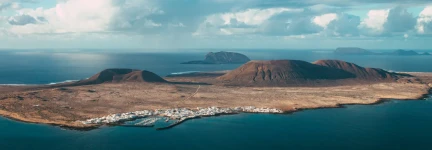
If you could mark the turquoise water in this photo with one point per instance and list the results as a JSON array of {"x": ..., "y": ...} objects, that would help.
[{"x": 388, "y": 126}]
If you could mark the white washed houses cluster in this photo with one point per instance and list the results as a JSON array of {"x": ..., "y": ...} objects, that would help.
[
  {"x": 178, "y": 113},
  {"x": 260, "y": 110},
  {"x": 119, "y": 117}
]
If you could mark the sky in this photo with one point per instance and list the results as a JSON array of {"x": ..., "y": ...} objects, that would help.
[{"x": 244, "y": 24}]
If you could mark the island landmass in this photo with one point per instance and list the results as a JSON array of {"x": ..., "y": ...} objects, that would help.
[
  {"x": 221, "y": 58},
  {"x": 278, "y": 86}
]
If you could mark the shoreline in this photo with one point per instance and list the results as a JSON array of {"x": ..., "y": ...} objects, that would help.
[
  {"x": 52, "y": 124},
  {"x": 90, "y": 127},
  {"x": 70, "y": 107},
  {"x": 377, "y": 102}
]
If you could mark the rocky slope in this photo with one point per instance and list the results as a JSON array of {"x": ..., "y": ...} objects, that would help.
[
  {"x": 359, "y": 72},
  {"x": 282, "y": 72},
  {"x": 296, "y": 72}
]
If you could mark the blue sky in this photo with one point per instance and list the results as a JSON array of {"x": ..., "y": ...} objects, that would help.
[{"x": 173, "y": 24}]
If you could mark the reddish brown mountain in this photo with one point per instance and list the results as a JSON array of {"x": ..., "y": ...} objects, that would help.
[
  {"x": 282, "y": 72},
  {"x": 359, "y": 72},
  {"x": 296, "y": 72},
  {"x": 121, "y": 75}
]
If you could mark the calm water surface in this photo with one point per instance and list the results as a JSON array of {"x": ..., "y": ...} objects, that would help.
[{"x": 388, "y": 126}]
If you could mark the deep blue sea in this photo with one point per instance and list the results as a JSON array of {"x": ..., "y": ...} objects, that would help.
[{"x": 388, "y": 126}]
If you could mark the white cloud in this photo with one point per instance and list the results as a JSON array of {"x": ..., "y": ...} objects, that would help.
[
  {"x": 325, "y": 19},
  {"x": 70, "y": 16},
  {"x": 375, "y": 20},
  {"x": 242, "y": 22},
  {"x": 424, "y": 21},
  {"x": 253, "y": 16},
  {"x": 81, "y": 16},
  {"x": 388, "y": 22},
  {"x": 232, "y": 18},
  {"x": 289, "y": 26}
]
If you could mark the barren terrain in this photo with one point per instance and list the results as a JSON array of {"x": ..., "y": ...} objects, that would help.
[{"x": 67, "y": 105}]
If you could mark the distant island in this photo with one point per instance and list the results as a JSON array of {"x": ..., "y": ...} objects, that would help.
[
  {"x": 352, "y": 51},
  {"x": 360, "y": 51},
  {"x": 116, "y": 96},
  {"x": 221, "y": 58}
]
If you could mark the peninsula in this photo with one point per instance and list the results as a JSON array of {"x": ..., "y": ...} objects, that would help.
[
  {"x": 278, "y": 86},
  {"x": 221, "y": 58}
]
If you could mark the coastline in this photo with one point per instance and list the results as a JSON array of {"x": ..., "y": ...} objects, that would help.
[
  {"x": 63, "y": 125},
  {"x": 67, "y": 107},
  {"x": 378, "y": 102},
  {"x": 88, "y": 127}
]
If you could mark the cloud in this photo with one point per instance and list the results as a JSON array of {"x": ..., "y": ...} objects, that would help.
[
  {"x": 23, "y": 19},
  {"x": 343, "y": 4},
  {"x": 241, "y": 22},
  {"x": 345, "y": 25},
  {"x": 227, "y": 19},
  {"x": 290, "y": 26},
  {"x": 374, "y": 23},
  {"x": 133, "y": 15},
  {"x": 388, "y": 22},
  {"x": 424, "y": 21},
  {"x": 325, "y": 19},
  {"x": 70, "y": 16},
  {"x": 331, "y": 24},
  {"x": 81, "y": 16},
  {"x": 253, "y": 16},
  {"x": 399, "y": 20},
  {"x": 311, "y": 20}
]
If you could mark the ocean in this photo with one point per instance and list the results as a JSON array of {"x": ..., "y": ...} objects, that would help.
[{"x": 387, "y": 126}]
